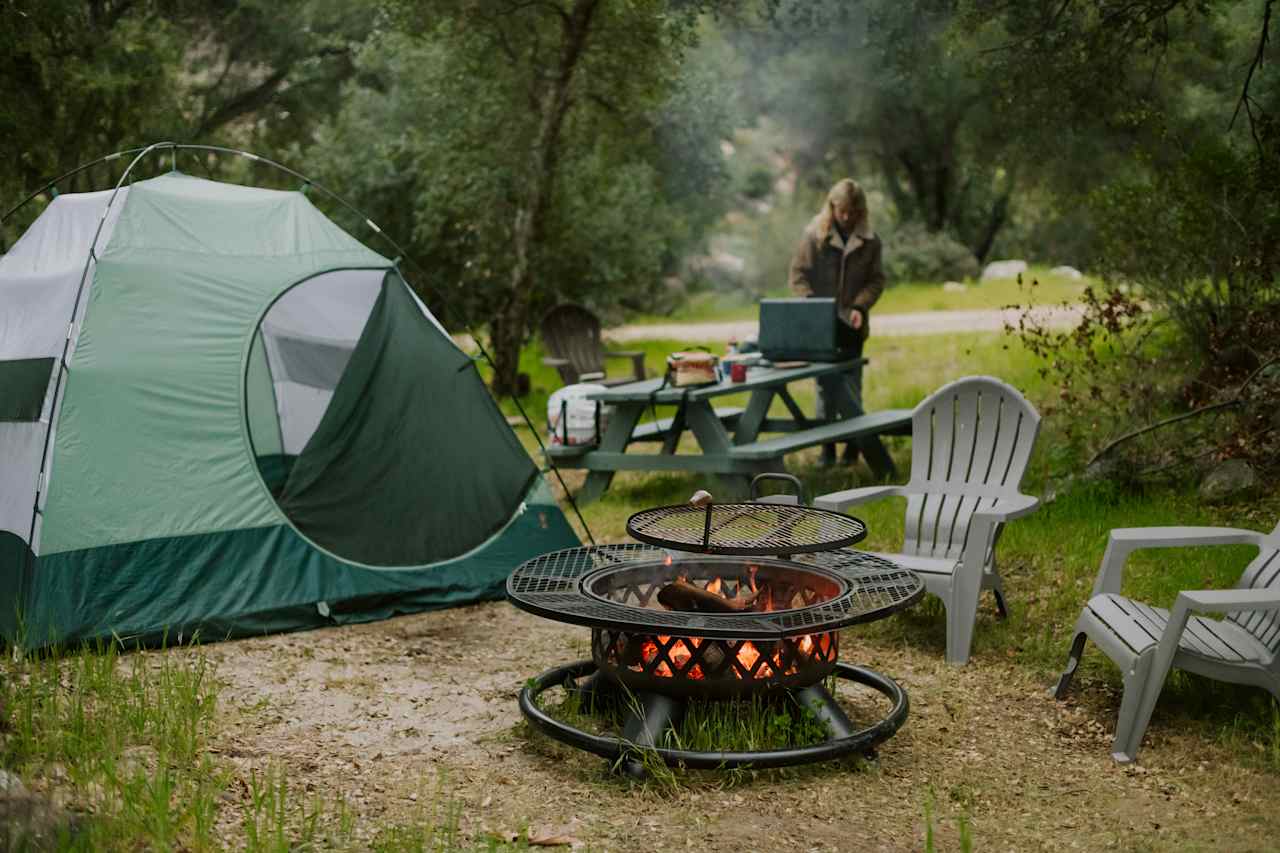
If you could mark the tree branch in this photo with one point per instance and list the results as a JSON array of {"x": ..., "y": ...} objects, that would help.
[
  {"x": 1258, "y": 57},
  {"x": 1236, "y": 400}
]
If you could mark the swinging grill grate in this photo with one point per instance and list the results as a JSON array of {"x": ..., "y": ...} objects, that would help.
[{"x": 745, "y": 529}]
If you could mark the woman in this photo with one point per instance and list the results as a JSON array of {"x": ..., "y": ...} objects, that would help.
[{"x": 838, "y": 257}]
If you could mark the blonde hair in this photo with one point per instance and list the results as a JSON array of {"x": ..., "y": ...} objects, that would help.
[{"x": 845, "y": 192}]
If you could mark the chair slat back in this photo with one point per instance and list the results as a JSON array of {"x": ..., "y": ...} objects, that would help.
[
  {"x": 1262, "y": 573},
  {"x": 977, "y": 432},
  {"x": 572, "y": 332}
]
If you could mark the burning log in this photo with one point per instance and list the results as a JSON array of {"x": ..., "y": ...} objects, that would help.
[{"x": 685, "y": 596}]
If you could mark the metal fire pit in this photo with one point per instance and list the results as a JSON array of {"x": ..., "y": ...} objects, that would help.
[{"x": 668, "y": 656}]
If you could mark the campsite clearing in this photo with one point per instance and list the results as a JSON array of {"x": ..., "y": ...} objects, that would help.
[{"x": 395, "y": 717}]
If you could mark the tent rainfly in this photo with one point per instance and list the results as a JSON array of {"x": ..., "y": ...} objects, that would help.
[{"x": 221, "y": 413}]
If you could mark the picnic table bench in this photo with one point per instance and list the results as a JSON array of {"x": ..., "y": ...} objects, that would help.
[{"x": 732, "y": 458}]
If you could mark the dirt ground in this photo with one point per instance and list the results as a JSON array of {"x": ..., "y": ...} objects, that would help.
[{"x": 420, "y": 708}]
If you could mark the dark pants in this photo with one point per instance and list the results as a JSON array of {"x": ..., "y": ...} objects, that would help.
[{"x": 853, "y": 380}]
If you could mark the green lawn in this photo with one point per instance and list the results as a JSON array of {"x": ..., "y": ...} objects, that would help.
[{"x": 903, "y": 298}]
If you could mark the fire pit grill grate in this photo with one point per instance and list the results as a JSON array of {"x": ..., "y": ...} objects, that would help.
[
  {"x": 745, "y": 529},
  {"x": 555, "y": 585}
]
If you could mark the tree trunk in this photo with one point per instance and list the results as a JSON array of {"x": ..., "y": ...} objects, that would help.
[
  {"x": 995, "y": 221},
  {"x": 512, "y": 323}
]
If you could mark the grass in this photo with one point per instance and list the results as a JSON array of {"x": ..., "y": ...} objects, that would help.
[
  {"x": 128, "y": 738},
  {"x": 900, "y": 298},
  {"x": 114, "y": 752},
  {"x": 753, "y": 723}
]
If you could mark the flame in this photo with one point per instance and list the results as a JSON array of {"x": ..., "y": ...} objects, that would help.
[
  {"x": 777, "y": 659},
  {"x": 677, "y": 652}
]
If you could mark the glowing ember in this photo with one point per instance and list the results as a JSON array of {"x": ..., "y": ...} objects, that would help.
[{"x": 714, "y": 586}]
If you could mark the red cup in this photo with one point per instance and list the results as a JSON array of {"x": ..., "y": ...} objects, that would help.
[{"x": 738, "y": 372}]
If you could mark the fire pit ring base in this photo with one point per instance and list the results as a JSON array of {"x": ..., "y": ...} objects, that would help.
[{"x": 615, "y": 748}]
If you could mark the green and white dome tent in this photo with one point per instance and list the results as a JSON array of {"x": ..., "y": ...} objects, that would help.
[{"x": 219, "y": 412}]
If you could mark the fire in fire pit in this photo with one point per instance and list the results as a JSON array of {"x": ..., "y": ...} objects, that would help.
[{"x": 688, "y": 662}]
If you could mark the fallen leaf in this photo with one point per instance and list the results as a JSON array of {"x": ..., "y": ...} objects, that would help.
[{"x": 546, "y": 836}]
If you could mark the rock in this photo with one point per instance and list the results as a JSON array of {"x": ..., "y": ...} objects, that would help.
[
  {"x": 953, "y": 287},
  {"x": 31, "y": 822},
  {"x": 1003, "y": 269},
  {"x": 1106, "y": 468},
  {"x": 1056, "y": 487},
  {"x": 10, "y": 784},
  {"x": 1066, "y": 272},
  {"x": 728, "y": 262},
  {"x": 1227, "y": 481}
]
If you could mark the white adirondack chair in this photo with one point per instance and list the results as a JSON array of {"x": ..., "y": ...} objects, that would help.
[
  {"x": 1146, "y": 641},
  {"x": 970, "y": 442}
]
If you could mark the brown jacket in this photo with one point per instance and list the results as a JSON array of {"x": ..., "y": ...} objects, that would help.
[{"x": 851, "y": 272}]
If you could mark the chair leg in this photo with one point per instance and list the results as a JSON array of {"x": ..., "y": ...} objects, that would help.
[
  {"x": 962, "y": 611},
  {"x": 1073, "y": 661},
  {"x": 1131, "y": 722},
  {"x": 1002, "y": 610}
]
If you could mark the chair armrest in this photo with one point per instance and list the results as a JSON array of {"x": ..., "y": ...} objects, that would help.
[
  {"x": 554, "y": 362},
  {"x": 1204, "y": 601},
  {"x": 984, "y": 523},
  {"x": 636, "y": 356},
  {"x": 1006, "y": 509},
  {"x": 1226, "y": 600},
  {"x": 1125, "y": 540},
  {"x": 840, "y": 501}
]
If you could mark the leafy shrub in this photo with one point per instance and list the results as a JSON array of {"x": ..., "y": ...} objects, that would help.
[
  {"x": 758, "y": 183},
  {"x": 913, "y": 254}
]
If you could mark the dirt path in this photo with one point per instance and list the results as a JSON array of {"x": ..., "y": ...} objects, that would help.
[
  {"x": 922, "y": 323},
  {"x": 377, "y": 714}
]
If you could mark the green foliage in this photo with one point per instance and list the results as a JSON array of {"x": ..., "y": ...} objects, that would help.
[
  {"x": 633, "y": 174},
  {"x": 912, "y": 253},
  {"x": 1189, "y": 223},
  {"x": 885, "y": 93},
  {"x": 85, "y": 79},
  {"x": 1201, "y": 237}
]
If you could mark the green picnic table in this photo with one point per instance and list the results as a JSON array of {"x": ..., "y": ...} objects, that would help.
[{"x": 733, "y": 458}]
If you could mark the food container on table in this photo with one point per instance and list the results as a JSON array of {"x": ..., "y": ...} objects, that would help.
[{"x": 692, "y": 368}]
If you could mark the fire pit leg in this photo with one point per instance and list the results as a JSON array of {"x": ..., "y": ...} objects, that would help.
[
  {"x": 590, "y": 689},
  {"x": 824, "y": 706},
  {"x": 656, "y": 714}
]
